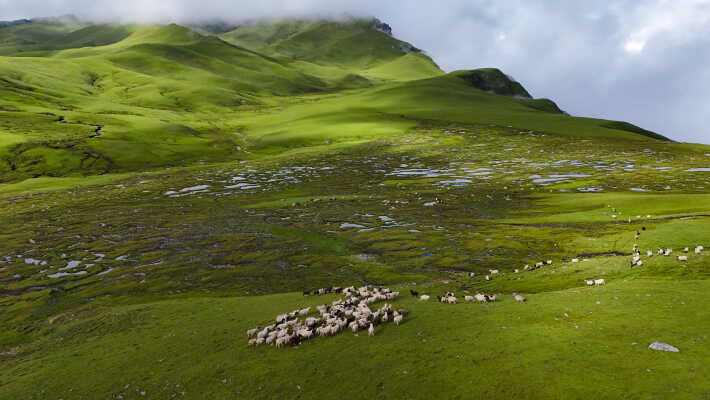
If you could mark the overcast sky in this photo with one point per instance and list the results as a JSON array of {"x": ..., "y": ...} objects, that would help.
[{"x": 642, "y": 61}]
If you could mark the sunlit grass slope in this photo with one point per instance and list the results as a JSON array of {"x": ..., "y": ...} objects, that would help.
[{"x": 91, "y": 99}]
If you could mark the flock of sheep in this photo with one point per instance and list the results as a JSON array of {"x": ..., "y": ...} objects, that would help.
[
  {"x": 353, "y": 312},
  {"x": 636, "y": 258},
  {"x": 450, "y": 297}
]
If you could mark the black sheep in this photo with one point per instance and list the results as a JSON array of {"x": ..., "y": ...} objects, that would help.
[{"x": 415, "y": 294}]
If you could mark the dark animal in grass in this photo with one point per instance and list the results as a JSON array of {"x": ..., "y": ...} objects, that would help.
[
  {"x": 306, "y": 293},
  {"x": 415, "y": 294}
]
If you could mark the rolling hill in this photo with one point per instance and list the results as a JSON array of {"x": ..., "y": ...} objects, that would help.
[{"x": 169, "y": 94}]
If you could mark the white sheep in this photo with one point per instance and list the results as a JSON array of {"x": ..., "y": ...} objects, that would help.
[
  {"x": 488, "y": 278},
  {"x": 481, "y": 298},
  {"x": 252, "y": 332},
  {"x": 649, "y": 253},
  {"x": 492, "y": 298},
  {"x": 371, "y": 330},
  {"x": 682, "y": 258},
  {"x": 493, "y": 271},
  {"x": 518, "y": 297},
  {"x": 549, "y": 262},
  {"x": 575, "y": 260},
  {"x": 515, "y": 271},
  {"x": 424, "y": 297},
  {"x": 599, "y": 282},
  {"x": 468, "y": 298},
  {"x": 589, "y": 282},
  {"x": 398, "y": 319},
  {"x": 451, "y": 300}
]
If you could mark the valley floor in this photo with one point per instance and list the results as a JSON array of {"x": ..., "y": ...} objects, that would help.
[{"x": 143, "y": 285}]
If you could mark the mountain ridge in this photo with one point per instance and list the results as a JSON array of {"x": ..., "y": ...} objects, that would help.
[{"x": 171, "y": 94}]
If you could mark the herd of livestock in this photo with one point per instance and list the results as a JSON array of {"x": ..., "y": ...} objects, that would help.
[{"x": 354, "y": 312}]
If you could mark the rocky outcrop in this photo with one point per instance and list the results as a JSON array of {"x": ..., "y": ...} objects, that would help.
[
  {"x": 383, "y": 27},
  {"x": 494, "y": 81}
]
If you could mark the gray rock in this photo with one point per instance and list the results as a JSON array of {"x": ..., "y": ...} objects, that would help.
[{"x": 660, "y": 346}]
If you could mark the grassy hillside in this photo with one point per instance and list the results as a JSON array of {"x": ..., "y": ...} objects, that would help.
[
  {"x": 168, "y": 95},
  {"x": 164, "y": 188}
]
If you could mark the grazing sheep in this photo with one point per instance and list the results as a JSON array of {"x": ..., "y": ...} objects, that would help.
[
  {"x": 518, "y": 298},
  {"x": 539, "y": 264},
  {"x": 398, "y": 319},
  {"x": 252, "y": 332},
  {"x": 488, "y": 278},
  {"x": 303, "y": 312},
  {"x": 668, "y": 252},
  {"x": 468, "y": 298},
  {"x": 481, "y": 298},
  {"x": 639, "y": 263},
  {"x": 371, "y": 330},
  {"x": 660, "y": 251},
  {"x": 494, "y": 271},
  {"x": 649, "y": 253},
  {"x": 451, "y": 300},
  {"x": 698, "y": 249},
  {"x": 682, "y": 258},
  {"x": 589, "y": 282},
  {"x": 424, "y": 297},
  {"x": 515, "y": 271},
  {"x": 575, "y": 260},
  {"x": 492, "y": 298},
  {"x": 415, "y": 294},
  {"x": 549, "y": 262},
  {"x": 685, "y": 250},
  {"x": 599, "y": 282},
  {"x": 526, "y": 268}
]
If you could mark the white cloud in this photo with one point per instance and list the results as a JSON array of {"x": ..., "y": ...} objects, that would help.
[{"x": 634, "y": 46}]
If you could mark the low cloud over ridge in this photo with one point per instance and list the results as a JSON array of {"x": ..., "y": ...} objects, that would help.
[{"x": 639, "y": 61}]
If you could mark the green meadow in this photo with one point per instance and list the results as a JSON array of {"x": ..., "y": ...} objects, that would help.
[{"x": 163, "y": 189}]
